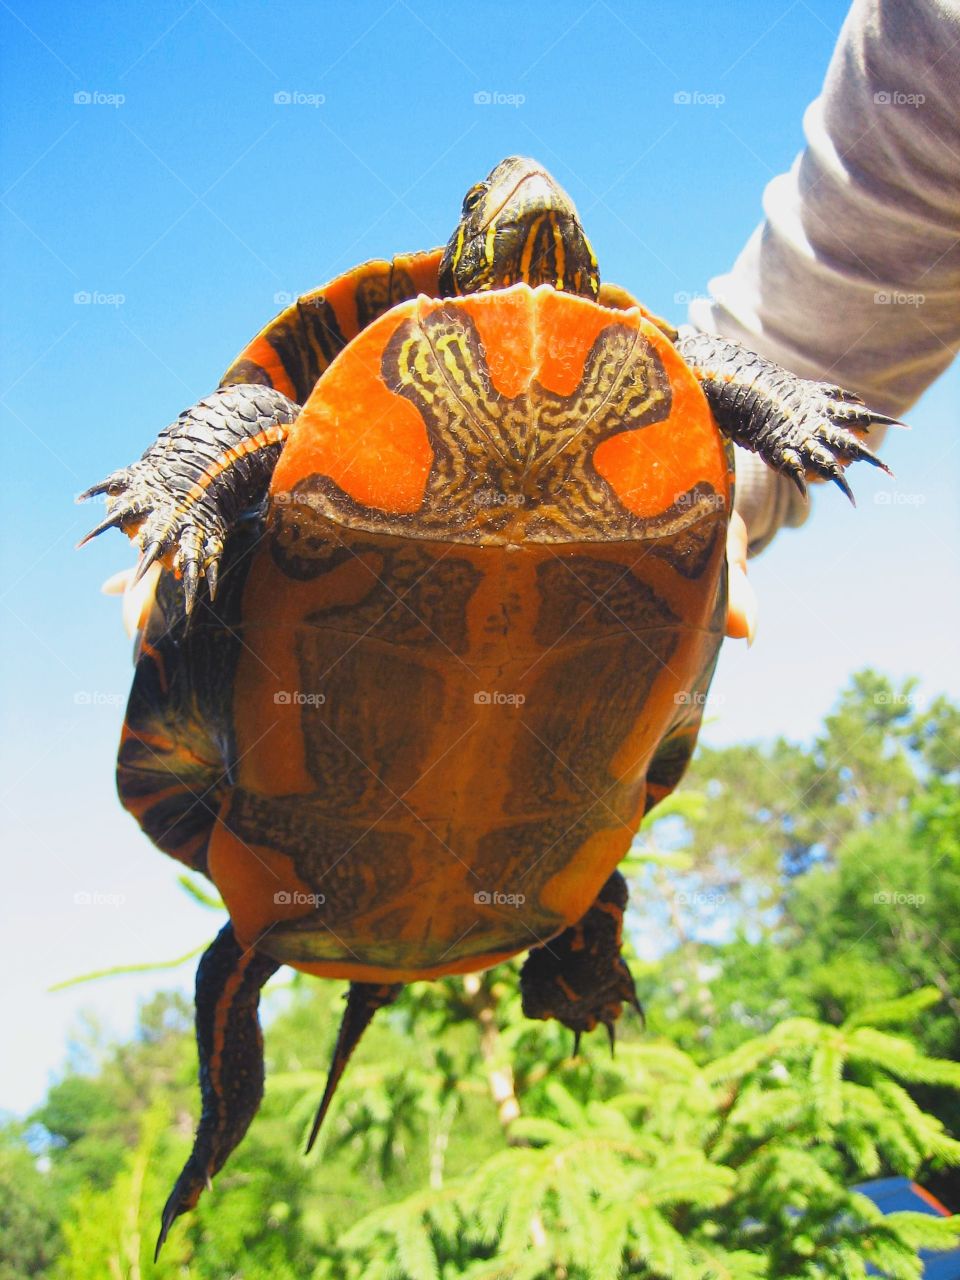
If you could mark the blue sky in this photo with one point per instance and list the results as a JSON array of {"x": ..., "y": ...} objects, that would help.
[{"x": 184, "y": 199}]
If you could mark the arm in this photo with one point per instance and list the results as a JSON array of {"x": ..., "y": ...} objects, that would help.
[{"x": 854, "y": 277}]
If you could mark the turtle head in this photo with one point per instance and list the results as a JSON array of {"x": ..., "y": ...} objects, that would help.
[{"x": 518, "y": 225}]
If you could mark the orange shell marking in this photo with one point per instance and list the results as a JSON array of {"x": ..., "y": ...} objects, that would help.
[{"x": 372, "y": 442}]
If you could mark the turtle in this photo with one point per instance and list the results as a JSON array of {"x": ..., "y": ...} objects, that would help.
[{"x": 442, "y": 588}]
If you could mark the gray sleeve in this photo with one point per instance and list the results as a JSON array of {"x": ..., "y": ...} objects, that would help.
[{"x": 854, "y": 276}]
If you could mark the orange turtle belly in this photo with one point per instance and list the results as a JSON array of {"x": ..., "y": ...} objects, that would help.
[{"x": 441, "y": 749}]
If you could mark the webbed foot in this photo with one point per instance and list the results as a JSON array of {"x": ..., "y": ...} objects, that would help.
[
  {"x": 230, "y": 1048},
  {"x": 180, "y": 500},
  {"x": 580, "y": 978},
  {"x": 802, "y": 428}
]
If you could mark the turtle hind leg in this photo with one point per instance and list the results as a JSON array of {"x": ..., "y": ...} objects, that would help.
[
  {"x": 363, "y": 1001},
  {"x": 195, "y": 482},
  {"x": 580, "y": 978},
  {"x": 230, "y": 1048},
  {"x": 799, "y": 427}
]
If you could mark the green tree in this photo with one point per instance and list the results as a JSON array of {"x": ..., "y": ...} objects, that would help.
[{"x": 29, "y": 1231}]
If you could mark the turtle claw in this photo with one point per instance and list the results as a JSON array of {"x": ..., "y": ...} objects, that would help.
[
  {"x": 151, "y": 552},
  {"x": 191, "y": 577},
  {"x": 182, "y": 1198},
  {"x": 213, "y": 574},
  {"x": 114, "y": 482},
  {"x": 840, "y": 480},
  {"x": 113, "y": 521},
  {"x": 189, "y": 561},
  {"x": 814, "y": 441}
]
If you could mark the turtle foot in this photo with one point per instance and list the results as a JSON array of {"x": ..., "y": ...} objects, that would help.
[
  {"x": 182, "y": 498},
  {"x": 804, "y": 429},
  {"x": 230, "y": 1051},
  {"x": 580, "y": 978}
]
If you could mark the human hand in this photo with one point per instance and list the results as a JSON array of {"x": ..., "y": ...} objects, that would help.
[
  {"x": 137, "y": 596},
  {"x": 741, "y": 600}
]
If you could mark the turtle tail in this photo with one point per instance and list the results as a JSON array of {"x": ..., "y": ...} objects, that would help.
[{"x": 363, "y": 1001}]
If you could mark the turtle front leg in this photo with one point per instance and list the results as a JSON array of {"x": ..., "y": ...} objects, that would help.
[
  {"x": 799, "y": 427},
  {"x": 580, "y": 978},
  {"x": 230, "y": 1048},
  {"x": 182, "y": 498}
]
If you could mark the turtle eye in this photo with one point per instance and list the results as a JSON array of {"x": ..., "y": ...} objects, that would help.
[{"x": 473, "y": 197}]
